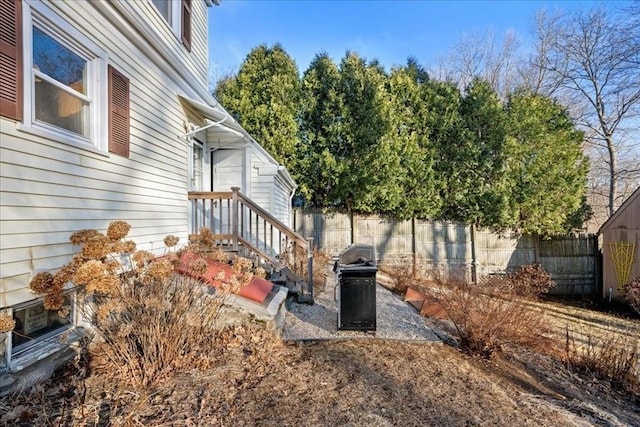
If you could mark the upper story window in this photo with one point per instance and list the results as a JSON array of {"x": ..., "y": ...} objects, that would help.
[
  {"x": 177, "y": 13},
  {"x": 164, "y": 7},
  {"x": 60, "y": 95},
  {"x": 58, "y": 84},
  {"x": 65, "y": 76}
]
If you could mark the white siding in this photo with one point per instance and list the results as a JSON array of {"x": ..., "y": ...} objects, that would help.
[
  {"x": 281, "y": 202},
  {"x": 261, "y": 183},
  {"x": 50, "y": 189}
]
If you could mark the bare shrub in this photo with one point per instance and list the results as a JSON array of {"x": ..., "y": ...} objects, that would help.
[
  {"x": 402, "y": 274},
  {"x": 148, "y": 319},
  {"x": 295, "y": 258},
  {"x": 631, "y": 293},
  {"x": 530, "y": 280},
  {"x": 615, "y": 358},
  {"x": 486, "y": 323},
  {"x": 320, "y": 261}
]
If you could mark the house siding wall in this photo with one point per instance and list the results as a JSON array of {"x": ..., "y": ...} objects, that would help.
[
  {"x": 261, "y": 184},
  {"x": 281, "y": 202},
  {"x": 51, "y": 189},
  {"x": 624, "y": 227}
]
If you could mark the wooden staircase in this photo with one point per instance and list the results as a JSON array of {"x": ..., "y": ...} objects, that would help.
[{"x": 242, "y": 227}]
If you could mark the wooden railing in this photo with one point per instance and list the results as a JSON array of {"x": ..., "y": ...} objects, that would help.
[{"x": 240, "y": 224}]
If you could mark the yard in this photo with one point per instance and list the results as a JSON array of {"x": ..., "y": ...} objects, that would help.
[{"x": 258, "y": 379}]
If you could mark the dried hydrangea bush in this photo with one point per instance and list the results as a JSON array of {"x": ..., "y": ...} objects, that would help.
[{"x": 149, "y": 320}]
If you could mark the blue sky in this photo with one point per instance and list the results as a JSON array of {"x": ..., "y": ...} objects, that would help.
[{"x": 387, "y": 30}]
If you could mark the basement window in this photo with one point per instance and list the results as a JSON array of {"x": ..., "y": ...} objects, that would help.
[{"x": 34, "y": 323}]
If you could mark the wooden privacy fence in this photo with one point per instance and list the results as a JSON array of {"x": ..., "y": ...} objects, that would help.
[{"x": 451, "y": 249}]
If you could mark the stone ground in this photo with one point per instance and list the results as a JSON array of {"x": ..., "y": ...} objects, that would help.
[{"x": 395, "y": 319}]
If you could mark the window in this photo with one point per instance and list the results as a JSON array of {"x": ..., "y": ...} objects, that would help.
[
  {"x": 197, "y": 159},
  {"x": 60, "y": 85},
  {"x": 177, "y": 13},
  {"x": 164, "y": 7},
  {"x": 57, "y": 84},
  {"x": 34, "y": 323},
  {"x": 65, "y": 91}
]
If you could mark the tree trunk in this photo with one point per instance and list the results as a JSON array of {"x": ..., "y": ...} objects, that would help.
[{"x": 613, "y": 167}]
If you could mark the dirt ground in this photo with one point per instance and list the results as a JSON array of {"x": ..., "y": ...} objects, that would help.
[{"x": 263, "y": 381}]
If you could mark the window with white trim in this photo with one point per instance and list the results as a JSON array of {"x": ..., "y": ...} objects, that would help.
[
  {"x": 177, "y": 14},
  {"x": 197, "y": 165},
  {"x": 170, "y": 11},
  {"x": 34, "y": 323},
  {"x": 65, "y": 79}
]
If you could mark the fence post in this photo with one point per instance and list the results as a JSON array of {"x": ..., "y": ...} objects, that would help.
[
  {"x": 234, "y": 217},
  {"x": 413, "y": 244},
  {"x": 474, "y": 258},
  {"x": 353, "y": 231},
  {"x": 310, "y": 266}
]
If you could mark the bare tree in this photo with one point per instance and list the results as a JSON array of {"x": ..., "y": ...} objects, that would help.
[
  {"x": 590, "y": 60},
  {"x": 481, "y": 55}
]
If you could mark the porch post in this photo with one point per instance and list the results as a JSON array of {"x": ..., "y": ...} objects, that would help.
[{"x": 234, "y": 217}]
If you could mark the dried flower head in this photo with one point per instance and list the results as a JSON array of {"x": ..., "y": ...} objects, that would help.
[
  {"x": 64, "y": 337},
  {"x": 90, "y": 270},
  {"x": 98, "y": 247},
  {"x": 112, "y": 265},
  {"x": 41, "y": 282},
  {"x": 129, "y": 247},
  {"x": 241, "y": 264},
  {"x": 218, "y": 255},
  {"x": 118, "y": 230},
  {"x": 173, "y": 258},
  {"x": 108, "y": 307},
  {"x": 65, "y": 274},
  {"x": 159, "y": 270},
  {"x": 53, "y": 301},
  {"x": 260, "y": 272},
  {"x": 64, "y": 311},
  {"x": 198, "y": 266},
  {"x": 6, "y": 323},
  {"x": 142, "y": 257},
  {"x": 171, "y": 240},
  {"x": 83, "y": 236},
  {"x": 205, "y": 232},
  {"x": 105, "y": 285}
]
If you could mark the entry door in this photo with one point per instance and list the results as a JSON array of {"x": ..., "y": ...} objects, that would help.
[{"x": 228, "y": 169}]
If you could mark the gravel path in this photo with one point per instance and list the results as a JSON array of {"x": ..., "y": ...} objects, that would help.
[{"x": 395, "y": 319}]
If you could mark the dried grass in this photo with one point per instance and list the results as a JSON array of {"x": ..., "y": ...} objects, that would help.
[{"x": 615, "y": 358}]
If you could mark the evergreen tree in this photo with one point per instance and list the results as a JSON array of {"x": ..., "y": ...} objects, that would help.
[
  {"x": 264, "y": 98},
  {"x": 547, "y": 168},
  {"x": 321, "y": 134}
]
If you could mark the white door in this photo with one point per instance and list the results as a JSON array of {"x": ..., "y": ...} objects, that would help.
[{"x": 228, "y": 169}]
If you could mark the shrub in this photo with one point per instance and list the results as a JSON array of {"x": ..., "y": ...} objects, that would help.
[
  {"x": 631, "y": 293},
  {"x": 529, "y": 280},
  {"x": 486, "y": 323},
  {"x": 402, "y": 274},
  {"x": 148, "y": 319},
  {"x": 615, "y": 358}
]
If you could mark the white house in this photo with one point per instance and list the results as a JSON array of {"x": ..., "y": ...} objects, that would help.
[{"x": 106, "y": 115}]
